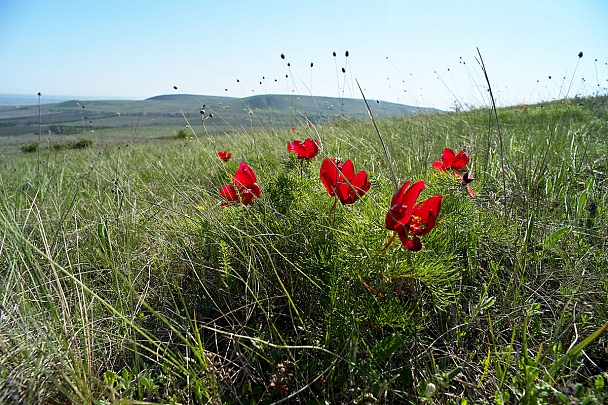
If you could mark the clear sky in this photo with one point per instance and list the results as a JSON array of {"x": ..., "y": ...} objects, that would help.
[{"x": 413, "y": 52}]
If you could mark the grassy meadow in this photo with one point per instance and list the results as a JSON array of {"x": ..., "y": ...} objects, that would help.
[{"x": 123, "y": 279}]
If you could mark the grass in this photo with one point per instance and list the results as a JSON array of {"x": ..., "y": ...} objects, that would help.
[{"x": 124, "y": 281}]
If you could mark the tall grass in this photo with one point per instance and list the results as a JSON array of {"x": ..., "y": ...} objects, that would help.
[{"x": 124, "y": 280}]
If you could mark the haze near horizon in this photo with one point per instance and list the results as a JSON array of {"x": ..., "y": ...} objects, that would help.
[{"x": 403, "y": 52}]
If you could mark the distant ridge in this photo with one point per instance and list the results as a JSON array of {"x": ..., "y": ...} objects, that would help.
[
  {"x": 348, "y": 106},
  {"x": 174, "y": 111}
]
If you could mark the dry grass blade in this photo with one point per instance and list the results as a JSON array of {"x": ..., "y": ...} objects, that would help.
[{"x": 388, "y": 155}]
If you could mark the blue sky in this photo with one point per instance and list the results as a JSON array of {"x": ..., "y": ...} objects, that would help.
[{"x": 413, "y": 52}]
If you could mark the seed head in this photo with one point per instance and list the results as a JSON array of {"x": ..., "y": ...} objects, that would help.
[
  {"x": 346, "y": 54},
  {"x": 580, "y": 55},
  {"x": 334, "y": 54},
  {"x": 175, "y": 87},
  {"x": 282, "y": 56},
  {"x": 343, "y": 70}
]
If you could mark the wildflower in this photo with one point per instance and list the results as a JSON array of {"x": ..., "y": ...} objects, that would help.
[
  {"x": 451, "y": 161},
  {"x": 245, "y": 187},
  {"x": 456, "y": 162},
  {"x": 230, "y": 195},
  {"x": 246, "y": 183},
  {"x": 224, "y": 155},
  {"x": 305, "y": 150},
  {"x": 340, "y": 180},
  {"x": 405, "y": 218}
]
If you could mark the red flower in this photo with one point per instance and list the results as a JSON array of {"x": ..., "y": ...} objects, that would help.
[
  {"x": 230, "y": 195},
  {"x": 451, "y": 161},
  {"x": 246, "y": 187},
  {"x": 305, "y": 150},
  {"x": 340, "y": 180},
  {"x": 225, "y": 156},
  {"x": 455, "y": 162},
  {"x": 407, "y": 219}
]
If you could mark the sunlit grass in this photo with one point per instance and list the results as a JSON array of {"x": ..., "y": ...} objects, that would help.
[{"x": 123, "y": 278}]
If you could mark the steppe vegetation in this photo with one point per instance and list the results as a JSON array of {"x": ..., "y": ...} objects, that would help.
[{"x": 130, "y": 274}]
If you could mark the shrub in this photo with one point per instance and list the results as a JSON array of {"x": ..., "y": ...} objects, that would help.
[
  {"x": 182, "y": 134},
  {"x": 82, "y": 144},
  {"x": 30, "y": 147}
]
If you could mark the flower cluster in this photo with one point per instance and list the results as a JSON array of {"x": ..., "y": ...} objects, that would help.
[
  {"x": 245, "y": 187},
  {"x": 408, "y": 219},
  {"x": 341, "y": 181}
]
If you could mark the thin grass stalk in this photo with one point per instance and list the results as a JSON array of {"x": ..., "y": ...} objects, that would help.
[
  {"x": 502, "y": 154},
  {"x": 388, "y": 155}
]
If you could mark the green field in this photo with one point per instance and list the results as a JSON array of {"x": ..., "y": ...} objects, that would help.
[{"x": 123, "y": 279}]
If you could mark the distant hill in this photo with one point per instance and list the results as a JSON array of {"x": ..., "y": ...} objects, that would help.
[
  {"x": 323, "y": 106},
  {"x": 74, "y": 117}
]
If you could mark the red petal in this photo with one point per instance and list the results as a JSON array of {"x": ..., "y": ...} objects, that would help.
[
  {"x": 448, "y": 157},
  {"x": 413, "y": 244},
  {"x": 348, "y": 170},
  {"x": 460, "y": 160},
  {"x": 439, "y": 166},
  {"x": 244, "y": 176},
  {"x": 329, "y": 176},
  {"x": 425, "y": 214},
  {"x": 345, "y": 193},
  {"x": 311, "y": 148},
  {"x": 360, "y": 183},
  {"x": 229, "y": 193},
  {"x": 256, "y": 190},
  {"x": 398, "y": 218},
  {"x": 470, "y": 190},
  {"x": 408, "y": 196}
]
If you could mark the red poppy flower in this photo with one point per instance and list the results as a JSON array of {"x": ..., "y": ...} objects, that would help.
[
  {"x": 455, "y": 162},
  {"x": 246, "y": 182},
  {"x": 225, "y": 156},
  {"x": 246, "y": 187},
  {"x": 305, "y": 150},
  {"x": 451, "y": 161},
  {"x": 230, "y": 195},
  {"x": 406, "y": 218},
  {"x": 340, "y": 180}
]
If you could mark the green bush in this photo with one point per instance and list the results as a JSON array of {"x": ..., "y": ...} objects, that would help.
[
  {"x": 82, "y": 144},
  {"x": 30, "y": 147},
  {"x": 182, "y": 134}
]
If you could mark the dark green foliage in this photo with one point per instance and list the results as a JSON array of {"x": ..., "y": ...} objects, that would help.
[
  {"x": 81, "y": 144},
  {"x": 30, "y": 147}
]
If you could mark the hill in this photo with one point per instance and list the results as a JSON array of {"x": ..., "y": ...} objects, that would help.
[{"x": 162, "y": 115}]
